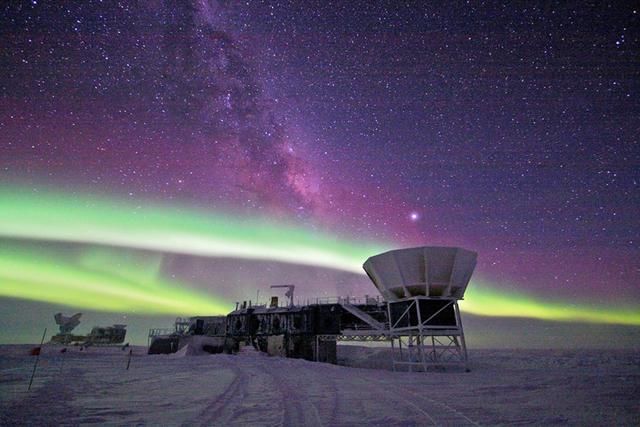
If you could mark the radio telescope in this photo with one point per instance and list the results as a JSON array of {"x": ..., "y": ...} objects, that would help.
[
  {"x": 67, "y": 323},
  {"x": 422, "y": 287}
]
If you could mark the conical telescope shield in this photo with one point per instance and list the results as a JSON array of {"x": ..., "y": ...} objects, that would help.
[{"x": 431, "y": 271}]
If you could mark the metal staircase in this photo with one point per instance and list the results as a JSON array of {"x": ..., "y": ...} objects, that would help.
[{"x": 363, "y": 316}]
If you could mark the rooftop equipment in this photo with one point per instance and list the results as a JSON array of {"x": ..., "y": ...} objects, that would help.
[
  {"x": 99, "y": 335},
  {"x": 288, "y": 294},
  {"x": 422, "y": 287},
  {"x": 67, "y": 323}
]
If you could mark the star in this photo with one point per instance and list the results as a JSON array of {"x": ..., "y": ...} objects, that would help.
[{"x": 339, "y": 123}]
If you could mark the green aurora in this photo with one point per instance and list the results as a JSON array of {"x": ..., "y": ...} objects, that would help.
[
  {"x": 136, "y": 285},
  {"x": 45, "y": 277}
]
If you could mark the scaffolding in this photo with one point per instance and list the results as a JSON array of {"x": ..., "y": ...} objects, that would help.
[
  {"x": 426, "y": 332},
  {"x": 350, "y": 335}
]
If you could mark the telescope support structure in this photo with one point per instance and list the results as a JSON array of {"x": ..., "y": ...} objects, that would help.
[{"x": 426, "y": 332}]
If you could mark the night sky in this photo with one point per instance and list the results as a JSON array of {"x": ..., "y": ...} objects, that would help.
[{"x": 509, "y": 129}]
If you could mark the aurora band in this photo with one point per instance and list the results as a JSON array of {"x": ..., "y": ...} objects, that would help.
[{"x": 89, "y": 220}]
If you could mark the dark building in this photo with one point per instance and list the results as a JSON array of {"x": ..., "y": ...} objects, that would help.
[
  {"x": 295, "y": 331},
  {"x": 417, "y": 311}
]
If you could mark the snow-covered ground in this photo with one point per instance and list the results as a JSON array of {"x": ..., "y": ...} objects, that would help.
[{"x": 539, "y": 387}]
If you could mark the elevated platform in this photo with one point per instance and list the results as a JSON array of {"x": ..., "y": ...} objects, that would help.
[{"x": 426, "y": 332}]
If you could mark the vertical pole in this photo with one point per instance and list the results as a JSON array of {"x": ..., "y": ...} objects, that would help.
[
  {"x": 462, "y": 341},
  {"x": 434, "y": 350},
  {"x": 420, "y": 339},
  {"x": 410, "y": 352},
  {"x": 129, "y": 359},
  {"x": 393, "y": 353},
  {"x": 35, "y": 364},
  {"x": 393, "y": 350}
]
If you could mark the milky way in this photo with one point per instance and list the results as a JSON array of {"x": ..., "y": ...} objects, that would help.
[{"x": 508, "y": 130}]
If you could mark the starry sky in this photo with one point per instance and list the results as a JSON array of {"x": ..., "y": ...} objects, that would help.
[{"x": 318, "y": 133}]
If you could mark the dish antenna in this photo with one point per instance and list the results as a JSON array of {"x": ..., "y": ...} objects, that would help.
[
  {"x": 67, "y": 323},
  {"x": 422, "y": 287}
]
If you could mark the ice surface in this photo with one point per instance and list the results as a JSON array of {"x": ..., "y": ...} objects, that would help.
[{"x": 538, "y": 387}]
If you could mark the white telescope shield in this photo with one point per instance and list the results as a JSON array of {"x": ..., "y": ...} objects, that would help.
[{"x": 430, "y": 271}]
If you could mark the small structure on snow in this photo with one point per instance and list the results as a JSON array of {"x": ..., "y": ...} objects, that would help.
[{"x": 99, "y": 335}]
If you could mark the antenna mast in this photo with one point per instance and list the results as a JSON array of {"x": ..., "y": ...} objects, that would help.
[{"x": 289, "y": 293}]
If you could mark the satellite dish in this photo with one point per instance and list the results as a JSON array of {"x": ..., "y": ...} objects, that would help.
[
  {"x": 67, "y": 323},
  {"x": 430, "y": 271}
]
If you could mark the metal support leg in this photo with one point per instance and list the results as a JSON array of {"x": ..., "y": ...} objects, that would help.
[{"x": 462, "y": 341}]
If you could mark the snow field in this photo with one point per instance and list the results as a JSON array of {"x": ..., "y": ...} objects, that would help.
[{"x": 508, "y": 387}]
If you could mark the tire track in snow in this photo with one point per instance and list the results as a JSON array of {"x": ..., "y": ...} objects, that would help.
[
  {"x": 455, "y": 417},
  {"x": 381, "y": 393},
  {"x": 221, "y": 410},
  {"x": 262, "y": 404},
  {"x": 251, "y": 398},
  {"x": 323, "y": 378},
  {"x": 299, "y": 410},
  {"x": 436, "y": 412}
]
